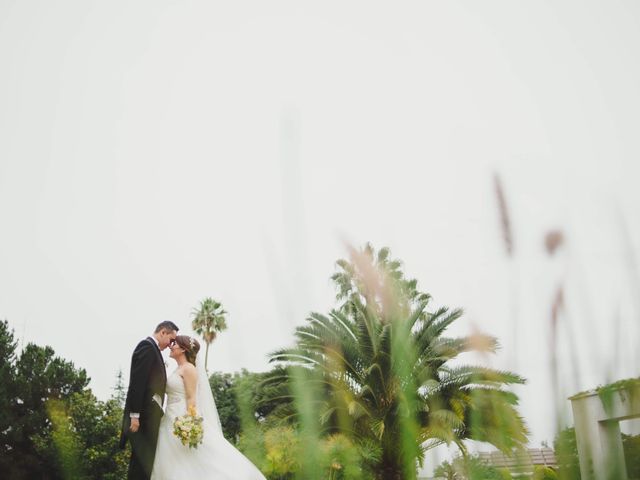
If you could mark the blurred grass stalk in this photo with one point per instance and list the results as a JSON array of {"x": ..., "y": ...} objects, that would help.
[
  {"x": 403, "y": 357},
  {"x": 65, "y": 439},
  {"x": 306, "y": 393},
  {"x": 506, "y": 228}
]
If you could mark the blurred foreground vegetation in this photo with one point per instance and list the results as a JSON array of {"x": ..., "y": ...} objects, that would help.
[
  {"x": 362, "y": 393},
  {"x": 51, "y": 425}
]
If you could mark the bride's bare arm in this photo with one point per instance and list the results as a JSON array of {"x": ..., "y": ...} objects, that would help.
[{"x": 190, "y": 379}]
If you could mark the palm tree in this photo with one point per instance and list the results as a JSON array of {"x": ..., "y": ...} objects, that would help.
[
  {"x": 209, "y": 319},
  {"x": 381, "y": 371}
]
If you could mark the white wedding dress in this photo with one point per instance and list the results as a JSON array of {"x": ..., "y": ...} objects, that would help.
[{"x": 215, "y": 458}]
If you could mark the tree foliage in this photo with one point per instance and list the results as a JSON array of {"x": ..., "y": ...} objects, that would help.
[
  {"x": 566, "y": 449},
  {"x": 53, "y": 427},
  {"x": 209, "y": 319},
  {"x": 381, "y": 370},
  {"x": 470, "y": 468},
  {"x": 7, "y": 396},
  {"x": 255, "y": 393},
  {"x": 222, "y": 386},
  {"x": 41, "y": 378}
]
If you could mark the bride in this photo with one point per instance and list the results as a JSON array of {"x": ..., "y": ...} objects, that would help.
[{"x": 215, "y": 457}]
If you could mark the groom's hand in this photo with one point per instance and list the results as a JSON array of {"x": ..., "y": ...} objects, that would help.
[{"x": 135, "y": 425}]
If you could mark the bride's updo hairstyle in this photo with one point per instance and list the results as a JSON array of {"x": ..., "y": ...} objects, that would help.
[{"x": 190, "y": 346}]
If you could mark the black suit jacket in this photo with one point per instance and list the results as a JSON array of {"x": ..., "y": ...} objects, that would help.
[{"x": 147, "y": 378}]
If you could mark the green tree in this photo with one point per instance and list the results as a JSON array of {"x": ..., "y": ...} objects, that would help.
[
  {"x": 222, "y": 386},
  {"x": 566, "y": 449},
  {"x": 379, "y": 368},
  {"x": 119, "y": 389},
  {"x": 470, "y": 468},
  {"x": 96, "y": 425},
  {"x": 631, "y": 446},
  {"x": 7, "y": 395},
  {"x": 53, "y": 427},
  {"x": 43, "y": 382},
  {"x": 83, "y": 441},
  {"x": 256, "y": 394},
  {"x": 209, "y": 319},
  {"x": 262, "y": 393}
]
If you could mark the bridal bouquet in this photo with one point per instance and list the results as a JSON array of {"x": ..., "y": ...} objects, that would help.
[{"x": 188, "y": 428}]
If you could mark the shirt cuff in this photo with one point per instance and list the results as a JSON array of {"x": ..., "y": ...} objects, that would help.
[{"x": 134, "y": 415}]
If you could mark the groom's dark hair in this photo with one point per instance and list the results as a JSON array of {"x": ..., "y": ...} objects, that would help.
[{"x": 167, "y": 325}]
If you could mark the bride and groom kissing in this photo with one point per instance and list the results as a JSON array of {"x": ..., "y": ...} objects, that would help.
[{"x": 156, "y": 453}]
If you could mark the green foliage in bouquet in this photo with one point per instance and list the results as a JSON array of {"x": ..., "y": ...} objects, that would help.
[{"x": 188, "y": 429}]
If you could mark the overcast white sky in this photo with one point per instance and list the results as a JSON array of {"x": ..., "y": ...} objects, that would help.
[{"x": 154, "y": 153}]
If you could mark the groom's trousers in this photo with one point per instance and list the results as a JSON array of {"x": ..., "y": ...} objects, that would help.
[{"x": 143, "y": 443}]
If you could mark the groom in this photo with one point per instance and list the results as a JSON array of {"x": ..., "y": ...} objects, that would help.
[{"x": 143, "y": 408}]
